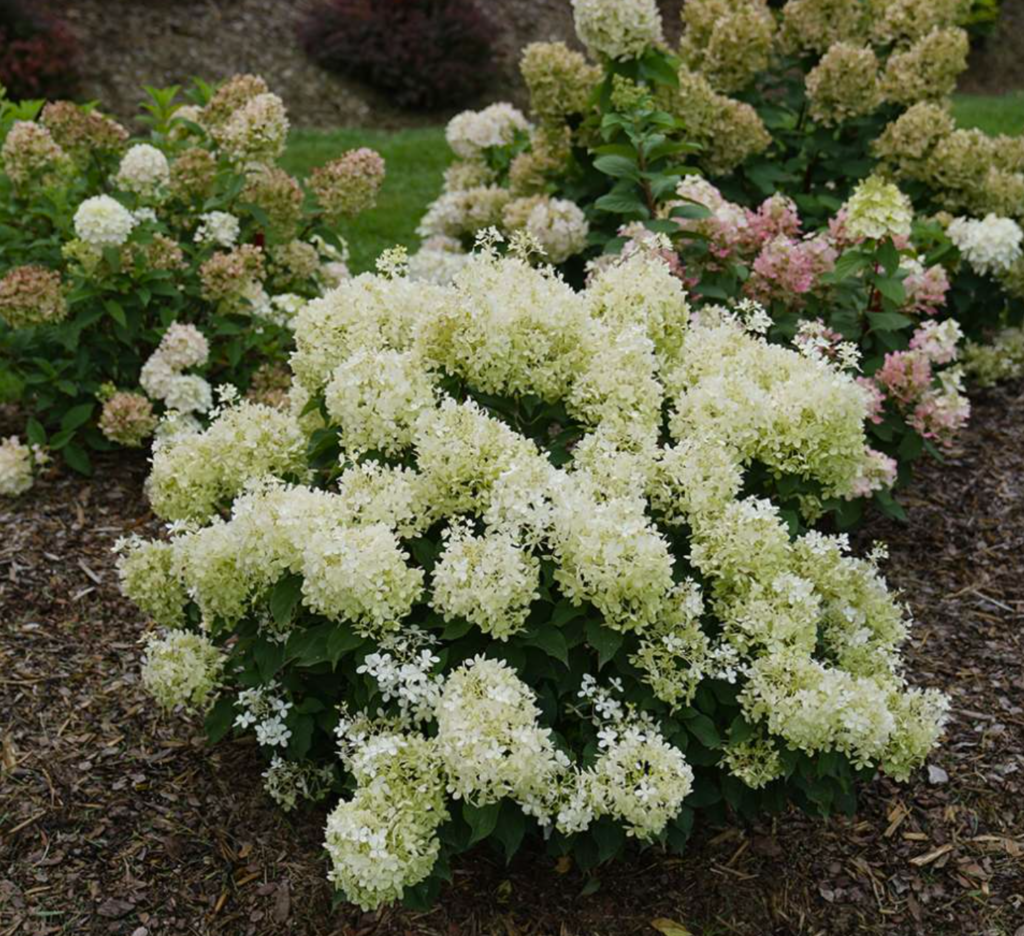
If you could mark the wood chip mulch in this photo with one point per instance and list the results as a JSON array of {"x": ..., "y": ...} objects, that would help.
[{"x": 114, "y": 820}]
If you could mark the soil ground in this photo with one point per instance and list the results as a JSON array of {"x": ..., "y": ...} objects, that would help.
[{"x": 114, "y": 820}]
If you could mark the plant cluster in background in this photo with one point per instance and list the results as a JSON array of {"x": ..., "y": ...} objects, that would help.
[
  {"x": 421, "y": 53},
  {"x": 134, "y": 272},
  {"x": 38, "y": 54},
  {"x": 521, "y": 560},
  {"x": 798, "y": 118}
]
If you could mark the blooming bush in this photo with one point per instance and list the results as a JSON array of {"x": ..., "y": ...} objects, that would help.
[
  {"x": 522, "y": 559},
  {"x": 133, "y": 273},
  {"x": 850, "y": 90},
  {"x": 422, "y": 53},
  {"x": 806, "y": 120},
  {"x": 860, "y": 292}
]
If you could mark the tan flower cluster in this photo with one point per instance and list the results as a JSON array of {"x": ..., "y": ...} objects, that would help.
[
  {"x": 127, "y": 418},
  {"x": 234, "y": 94},
  {"x": 728, "y": 41},
  {"x": 193, "y": 174},
  {"x": 814, "y": 25},
  {"x": 277, "y": 194},
  {"x": 227, "y": 276},
  {"x": 30, "y": 153},
  {"x": 294, "y": 262},
  {"x": 161, "y": 253},
  {"x": 348, "y": 185},
  {"x": 844, "y": 84},
  {"x": 559, "y": 79},
  {"x": 549, "y": 150},
  {"x": 929, "y": 69},
  {"x": 905, "y": 144},
  {"x": 730, "y": 131},
  {"x": 32, "y": 295},
  {"x": 80, "y": 132},
  {"x": 905, "y": 21},
  {"x": 969, "y": 170},
  {"x": 270, "y": 386}
]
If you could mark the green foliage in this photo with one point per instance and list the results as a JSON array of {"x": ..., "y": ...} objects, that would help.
[
  {"x": 416, "y": 160},
  {"x": 121, "y": 300}
]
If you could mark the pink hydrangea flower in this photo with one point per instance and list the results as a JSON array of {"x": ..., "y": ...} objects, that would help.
[
  {"x": 926, "y": 288},
  {"x": 787, "y": 269}
]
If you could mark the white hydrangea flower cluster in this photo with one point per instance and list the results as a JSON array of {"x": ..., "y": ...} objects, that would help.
[
  {"x": 384, "y": 839},
  {"x": 264, "y": 709},
  {"x": 144, "y": 170},
  {"x": 560, "y": 228},
  {"x": 476, "y": 196},
  {"x": 403, "y": 667},
  {"x": 195, "y": 471},
  {"x": 163, "y": 378},
  {"x": 664, "y": 411},
  {"x": 147, "y": 572},
  {"x": 438, "y": 260},
  {"x": 618, "y": 29},
  {"x": 102, "y": 221},
  {"x": 375, "y": 398},
  {"x": 17, "y": 466},
  {"x": 218, "y": 229},
  {"x": 489, "y": 580},
  {"x": 471, "y": 133},
  {"x": 990, "y": 244},
  {"x": 490, "y": 740},
  {"x": 637, "y": 778},
  {"x": 182, "y": 668},
  {"x": 286, "y": 782}
]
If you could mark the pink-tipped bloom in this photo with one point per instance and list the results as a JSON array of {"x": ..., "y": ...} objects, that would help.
[{"x": 786, "y": 269}]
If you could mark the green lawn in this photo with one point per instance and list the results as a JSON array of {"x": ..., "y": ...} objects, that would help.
[
  {"x": 991, "y": 113},
  {"x": 415, "y": 160}
]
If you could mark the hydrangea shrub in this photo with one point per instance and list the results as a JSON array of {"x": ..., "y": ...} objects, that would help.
[
  {"x": 132, "y": 273},
  {"x": 850, "y": 90},
  {"x": 521, "y": 560},
  {"x": 833, "y": 170}
]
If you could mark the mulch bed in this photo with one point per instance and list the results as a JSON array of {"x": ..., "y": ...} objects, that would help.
[{"x": 116, "y": 820}]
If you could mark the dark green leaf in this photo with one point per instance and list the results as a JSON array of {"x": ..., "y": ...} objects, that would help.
[
  {"x": 511, "y": 828},
  {"x": 703, "y": 728},
  {"x": 341, "y": 640},
  {"x": 604, "y": 640},
  {"x": 551, "y": 640},
  {"x": 893, "y": 290},
  {"x": 622, "y": 203},
  {"x": 302, "y": 727},
  {"x": 219, "y": 719},
  {"x": 285, "y": 598},
  {"x": 77, "y": 458},
  {"x": 482, "y": 820},
  {"x": 617, "y": 166},
  {"x": 888, "y": 321},
  {"x": 77, "y": 416},
  {"x": 269, "y": 658},
  {"x": 35, "y": 432}
]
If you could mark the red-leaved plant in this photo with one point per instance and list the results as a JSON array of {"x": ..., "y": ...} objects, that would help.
[{"x": 423, "y": 53}]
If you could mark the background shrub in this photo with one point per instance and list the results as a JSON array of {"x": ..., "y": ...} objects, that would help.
[
  {"x": 37, "y": 54},
  {"x": 424, "y": 53}
]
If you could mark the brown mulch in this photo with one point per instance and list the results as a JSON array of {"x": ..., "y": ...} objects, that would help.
[{"x": 114, "y": 820}]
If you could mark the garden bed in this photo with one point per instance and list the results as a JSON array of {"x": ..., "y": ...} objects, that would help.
[{"x": 114, "y": 820}]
